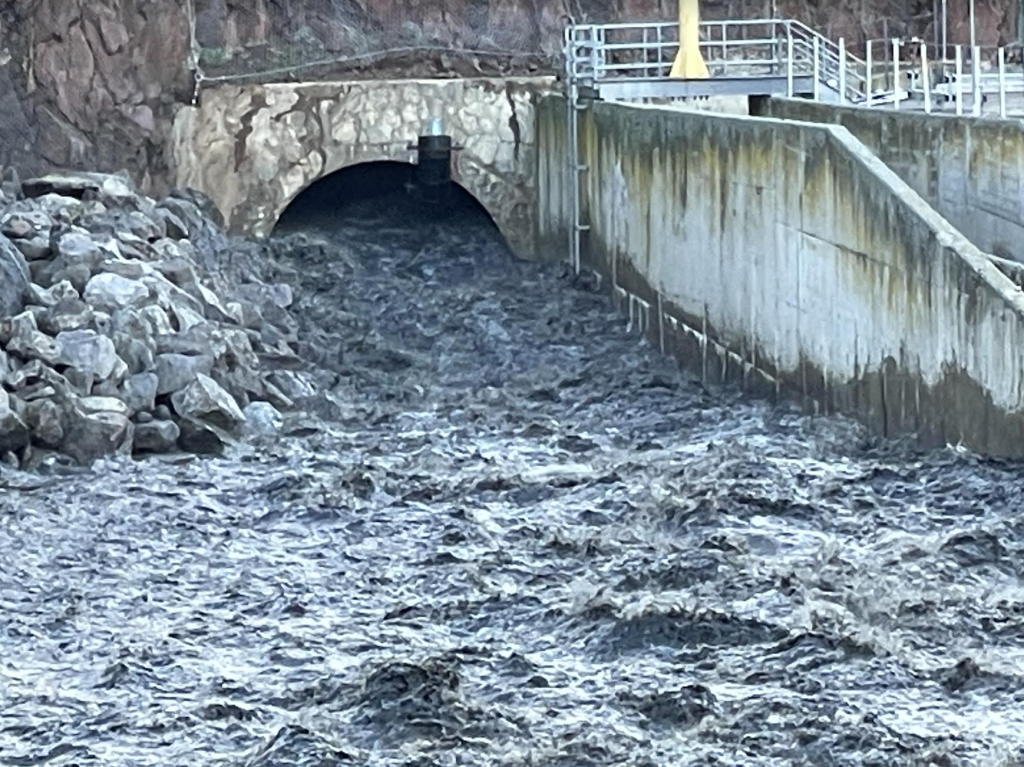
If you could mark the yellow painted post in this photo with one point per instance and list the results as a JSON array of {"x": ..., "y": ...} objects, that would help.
[{"x": 689, "y": 62}]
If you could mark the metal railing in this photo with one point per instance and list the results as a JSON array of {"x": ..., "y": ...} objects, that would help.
[
  {"x": 893, "y": 73},
  {"x": 598, "y": 53}
]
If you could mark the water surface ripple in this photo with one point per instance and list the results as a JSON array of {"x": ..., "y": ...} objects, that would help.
[{"x": 521, "y": 538}]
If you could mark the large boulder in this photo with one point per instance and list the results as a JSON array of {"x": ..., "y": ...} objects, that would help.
[
  {"x": 156, "y": 436},
  {"x": 92, "y": 355},
  {"x": 176, "y": 371},
  {"x": 205, "y": 400},
  {"x": 94, "y": 435}
]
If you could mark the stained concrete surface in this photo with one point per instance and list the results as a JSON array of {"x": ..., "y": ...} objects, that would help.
[{"x": 516, "y": 536}]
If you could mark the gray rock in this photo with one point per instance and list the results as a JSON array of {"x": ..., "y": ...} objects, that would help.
[
  {"x": 91, "y": 436},
  {"x": 143, "y": 417},
  {"x": 262, "y": 418},
  {"x": 15, "y": 279},
  {"x": 17, "y": 227},
  {"x": 54, "y": 294},
  {"x": 137, "y": 353},
  {"x": 5, "y": 365},
  {"x": 69, "y": 314},
  {"x": 162, "y": 413},
  {"x": 26, "y": 223},
  {"x": 46, "y": 421},
  {"x": 34, "y": 345},
  {"x": 176, "y": 228},
  {"x": 156, "y": 437},
  {"x": 202, "y": 438},
  {"x": 293, "y": 384},
  {"x": 90, "y": 405},
  {"x": 88, "y": 352},
  {"x": 112, "y": 292},
  {"x": 34, "y": 248},
  {"x": 36, "y": 376},
  {"x": 80, "y": 247},
  {"x": 14, "y": 433},
  {"x": 176, "y": 371},
  {"x": 159, "y": 322},
  {"x": 10, "y": 184},
  {"x": 18, "y": 324},
  {"x": 205, "y": 400},
  {"x": 139, "y": 392},
  {"x": 77, "y": 185}
]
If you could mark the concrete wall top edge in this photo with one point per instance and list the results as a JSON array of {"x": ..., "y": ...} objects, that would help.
[{"x": 937, "y": 117}]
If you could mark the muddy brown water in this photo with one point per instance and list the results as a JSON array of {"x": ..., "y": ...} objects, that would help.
[{"x": 517, "y": 537}]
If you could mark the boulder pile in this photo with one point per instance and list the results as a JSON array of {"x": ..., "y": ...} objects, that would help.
[{"x": 116, "y": 337}]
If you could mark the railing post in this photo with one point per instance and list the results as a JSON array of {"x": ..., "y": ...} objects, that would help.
[
  {"x": 661, "y": 60},
  {"x": 975, "y": 72},
  {"x": 869, "y": 85},
  {"x": 927, "y": 79},
  {"x": 958, "y": 53},
  {"x": 817, "y": 68},
  {"x": 842, "y": 71},
  {"x": 789, "y": 60},
  {"x": 896, "y": 73},
  {"x": 1002, "y": 82}
]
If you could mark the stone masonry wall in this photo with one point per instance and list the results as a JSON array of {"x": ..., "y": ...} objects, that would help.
[{"x": 252, "y": 149}]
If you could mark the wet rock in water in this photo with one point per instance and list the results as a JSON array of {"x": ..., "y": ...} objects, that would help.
[
  {"x": 15, "y": 280},
  {"x": 112, "y": 292},
  {"x": 156, "y": 436},
  {"x": 206, "y": 401}
]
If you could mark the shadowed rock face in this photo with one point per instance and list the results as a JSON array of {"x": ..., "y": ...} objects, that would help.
[{"x": 93, "y": 84}]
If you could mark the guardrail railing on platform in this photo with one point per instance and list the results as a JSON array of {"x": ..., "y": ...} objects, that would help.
[{"x": 892, "y": 73}]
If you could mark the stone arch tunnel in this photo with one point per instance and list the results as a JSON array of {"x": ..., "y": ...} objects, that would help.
[
  {"x": 254, "y": 148},
  {"x": 382, "y": 185}
]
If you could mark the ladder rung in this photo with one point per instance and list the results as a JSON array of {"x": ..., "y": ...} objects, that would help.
[{"x": 582, "y": 227}]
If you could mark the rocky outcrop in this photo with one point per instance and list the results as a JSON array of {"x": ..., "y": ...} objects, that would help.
[
  {"x": 92, "y": 83},
  {"x": 116, "y": 337},
  {"x": 95, "y": 83}
]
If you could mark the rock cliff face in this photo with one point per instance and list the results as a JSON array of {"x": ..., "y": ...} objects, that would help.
[{"x": 94, "y": 83}]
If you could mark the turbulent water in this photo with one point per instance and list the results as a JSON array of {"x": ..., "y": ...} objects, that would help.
[{"x": 519, "y": 537}]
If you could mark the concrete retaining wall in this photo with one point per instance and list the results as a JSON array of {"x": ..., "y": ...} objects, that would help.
[
  {"x": 788, "y": 257},
  {"x": 971, "y": 170}
]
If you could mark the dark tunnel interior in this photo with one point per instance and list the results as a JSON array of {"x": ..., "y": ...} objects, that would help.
[{"x": 386, "y": 192}]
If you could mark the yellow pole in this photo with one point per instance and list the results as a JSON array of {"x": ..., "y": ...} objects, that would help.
[{"x": 689, "y": 61}]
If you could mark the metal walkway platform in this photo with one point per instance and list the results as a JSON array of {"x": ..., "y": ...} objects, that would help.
[{"x": 644, "y": 88}]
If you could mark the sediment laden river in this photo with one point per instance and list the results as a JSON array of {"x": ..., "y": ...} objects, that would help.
[{"x": 515, "y": 536}]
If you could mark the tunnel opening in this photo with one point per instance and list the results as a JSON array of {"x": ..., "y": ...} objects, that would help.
[{"x": 385, "y": 193}]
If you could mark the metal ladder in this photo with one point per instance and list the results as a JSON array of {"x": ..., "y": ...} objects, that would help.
[{"x": 574, "y": 105}]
